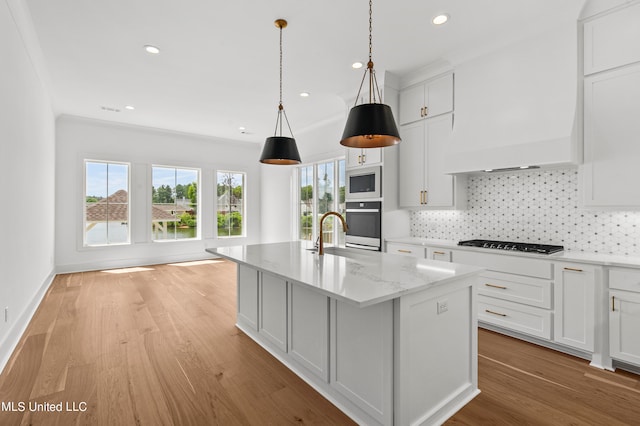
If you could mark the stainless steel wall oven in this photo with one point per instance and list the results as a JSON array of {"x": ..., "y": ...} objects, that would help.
[{"x": 364, "y": 220}]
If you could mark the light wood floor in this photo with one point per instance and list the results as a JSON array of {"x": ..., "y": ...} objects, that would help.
[{"x": 158, "y": 346}]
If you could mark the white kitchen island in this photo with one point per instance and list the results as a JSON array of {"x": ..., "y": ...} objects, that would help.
[{"x": 390, "y": 340}]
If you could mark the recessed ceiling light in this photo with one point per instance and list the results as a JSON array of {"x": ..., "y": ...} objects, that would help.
[
  {"x": 151, "y": 49},
  {"x": 440, "y": 19},
  {"x": 304, "y": 94},
  {"x": 129, "y": 107},
  {"x": 357, "y": 65},
  {"x": 242, "y": 129},
  {"x": 524, "y": 167}
]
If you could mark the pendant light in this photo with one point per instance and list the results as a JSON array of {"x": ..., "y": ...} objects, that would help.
[
  {"x": 370, "y": 125},
  {"x": 280, "y": 149}
]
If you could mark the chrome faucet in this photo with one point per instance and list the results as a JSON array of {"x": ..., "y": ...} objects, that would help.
[{"x": 344, "y": 226}]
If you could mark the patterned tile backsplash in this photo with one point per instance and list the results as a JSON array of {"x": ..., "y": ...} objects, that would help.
[{"x": 534, "y": 206}]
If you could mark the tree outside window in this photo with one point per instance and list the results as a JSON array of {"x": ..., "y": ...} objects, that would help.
[
  {"x": 174, "y": 203},
  {"x": 230, "y": 202}
]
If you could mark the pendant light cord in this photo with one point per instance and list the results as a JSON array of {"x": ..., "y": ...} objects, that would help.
[
  {"x": 281, "y": 110},
  {"x": 373, "y": 82}
]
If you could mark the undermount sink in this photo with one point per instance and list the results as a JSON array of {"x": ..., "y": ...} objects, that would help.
[{"x": 345, "y": 252}]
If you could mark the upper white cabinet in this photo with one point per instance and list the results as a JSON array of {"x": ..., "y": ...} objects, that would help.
[
  {"x": 426, "y": 100},
  {"x": 422, "y": 180},
  {"x": 611, "y": 111},
  {"x": 612, "y": 40},
  {"x": 357, "y": 157}
]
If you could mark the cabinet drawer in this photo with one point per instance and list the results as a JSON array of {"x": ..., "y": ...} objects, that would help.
[
  {"x": 538, "y": 268},
  {"x": 530, "y": 291},
  {"x": 406, "y": 250},
  {"x": 625, "y": 279},
  {"x": 439, "y": 254},
  {"x": 514, "y": 316}
]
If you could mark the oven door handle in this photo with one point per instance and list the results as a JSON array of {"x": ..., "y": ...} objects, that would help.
[{"x": 363, "y": 211}]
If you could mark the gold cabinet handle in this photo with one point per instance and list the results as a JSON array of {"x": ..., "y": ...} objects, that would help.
[
  {"x": 426, "y": 111},
  {"x": 439, "y": 252},
  {"x": 495, "y": 313},
  {"x": 495, "y": 286},
  {"x": 364, "y": 158},
  {"x": 426, "y": 197},
  {"x": 404, "y": 251},
  {"x": 359, "y": 159},
  {"x": 422, "y": 112},
  {"x": 613, "y": 303},
  {"x": 573, "y": 269},
  {"x": 421, "y": 194}
]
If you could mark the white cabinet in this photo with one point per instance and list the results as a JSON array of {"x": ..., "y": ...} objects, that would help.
[
  {"x": 406, "y": 250},
  {"x": 309, "y": 329},
  {"x": 611, "y": 129},
  {"x": 624, "y": 315},
  {"x": 612, "y": 40},
  {"x": 426, "y": 100},
  {"x": 357, "y": 157},
  {"x": 422, "y": 180},
  {"x": 273, "y": 310},
  {"x": 247, "y": 297},
  {"x": 574, "y": 297},
  {"x": 439, "y": 254}
]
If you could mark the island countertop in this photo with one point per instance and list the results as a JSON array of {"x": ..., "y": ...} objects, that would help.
[{"x": 358, "y": 277}]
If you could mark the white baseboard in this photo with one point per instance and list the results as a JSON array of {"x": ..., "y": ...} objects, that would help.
[
  {"x": 131, "y": 262},
  {"x": 11, "y": 340}
]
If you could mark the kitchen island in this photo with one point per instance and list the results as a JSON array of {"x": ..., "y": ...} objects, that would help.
[{"x": 388, "y": 339}]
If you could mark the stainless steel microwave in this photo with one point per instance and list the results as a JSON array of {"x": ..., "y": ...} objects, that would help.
[{"x": 364, "y": 183}]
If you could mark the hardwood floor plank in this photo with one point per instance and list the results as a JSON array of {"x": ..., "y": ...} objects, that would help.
[{"x": 160, "y": 347}]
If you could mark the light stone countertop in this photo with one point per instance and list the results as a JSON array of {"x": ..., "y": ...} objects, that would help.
[
  {"x": 565, "y": 256},
  {"x": 359, "y": 277}
]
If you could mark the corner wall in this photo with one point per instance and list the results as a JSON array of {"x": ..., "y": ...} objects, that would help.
[{"x": 27, "y": 175}]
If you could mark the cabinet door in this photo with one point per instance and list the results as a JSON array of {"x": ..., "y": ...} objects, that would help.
[
  {"x": 309, "y": 329},
  {"x": 624, "y": 323},
  {"x": 439, "y": 254},
  {"x": 412, "y": 102},
  {"x": 574, "y": 297},
  {"x": 411, "y": 176},
  {"x": 611, "y": 129},
  {"x": 439, "y": 95},
  {"x": 612, "y": 40},
  {"x": 357, "y": 157},
  {"x": 247, "y": 297},
  {"x": 273, "y": 310},
  {"x": 438, "y": 185}
]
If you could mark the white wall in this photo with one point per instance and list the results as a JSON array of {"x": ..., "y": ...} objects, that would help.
[
  {"x": 78, "y": 139},
  {"x": 27, "y": 176}
]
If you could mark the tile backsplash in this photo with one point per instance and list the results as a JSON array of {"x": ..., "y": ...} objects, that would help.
[{"x": 535, "y": 206}]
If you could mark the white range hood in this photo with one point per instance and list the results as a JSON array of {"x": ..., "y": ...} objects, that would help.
[{"x": 517, "y": 105}]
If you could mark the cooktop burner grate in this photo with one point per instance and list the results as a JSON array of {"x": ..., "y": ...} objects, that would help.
[{"x": 513, "y": 246}]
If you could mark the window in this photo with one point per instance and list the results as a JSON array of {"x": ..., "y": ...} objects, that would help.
[
  {"x": 106, "y": 206},
  {"x": 230, "y": 204},
  {"x": 320, "y": 194},
  {"x": 174, "y": 203}
]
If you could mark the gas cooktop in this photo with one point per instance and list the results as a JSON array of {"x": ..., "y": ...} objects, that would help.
[{"x": 513, "y": 246}]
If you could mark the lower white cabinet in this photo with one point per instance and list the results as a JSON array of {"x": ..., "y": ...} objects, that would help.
[
  {"x": 574, "y": 299},
  {"x": 439, "y": 254},
  {"x": 247, "y": 297},
  {"x": 406, "y": 249},
  {"x": 515, "y": 316},
  {"x": 624, "y": 315},
  {"x": 309, "y": 329},
  {"x": 273, "y": 310}
]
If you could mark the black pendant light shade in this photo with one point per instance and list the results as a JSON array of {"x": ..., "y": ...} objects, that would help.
[
  {"x": 280, "y": 150},
  {"x": 370, "y": 126}
]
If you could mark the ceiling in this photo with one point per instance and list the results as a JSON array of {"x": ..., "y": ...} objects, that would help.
[{"x": 218, "y": 66}]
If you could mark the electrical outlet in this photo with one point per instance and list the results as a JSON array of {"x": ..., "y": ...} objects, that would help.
[{"x": 443, "y": 306}]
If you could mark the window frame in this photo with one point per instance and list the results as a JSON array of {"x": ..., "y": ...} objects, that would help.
[
  {"x": 85, "y": 244},
  {"x": 244, "y": 204},
  {"x": 198, "y": 235},
  {"x": 314, "y": 207}
]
